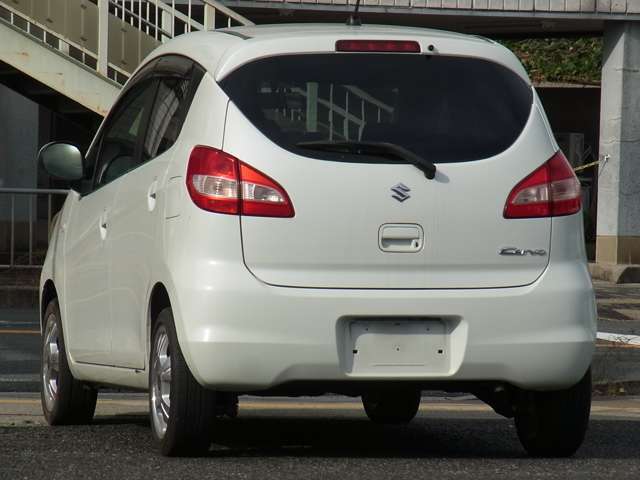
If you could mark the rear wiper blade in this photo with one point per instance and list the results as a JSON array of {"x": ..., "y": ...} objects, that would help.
[{"x": 381, "y": 149}]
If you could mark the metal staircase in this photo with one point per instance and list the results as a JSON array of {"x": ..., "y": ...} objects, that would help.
[{"x": 86, "y": 49}]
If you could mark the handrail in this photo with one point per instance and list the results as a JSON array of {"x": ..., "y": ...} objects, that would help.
[
  {"x": 154, "y": 19},
  {"x": 229, "y": 13},
  {"x": 347, "y": 116}
]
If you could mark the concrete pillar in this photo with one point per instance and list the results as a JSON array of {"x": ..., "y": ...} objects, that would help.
[
  {"x": 103, "y": 37},
  {"x": 618, "y": 232}
]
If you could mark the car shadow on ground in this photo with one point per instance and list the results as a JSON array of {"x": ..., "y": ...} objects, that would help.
[
  {"x": 425, "y": 437},
  {"x": 133, "y": 418}
]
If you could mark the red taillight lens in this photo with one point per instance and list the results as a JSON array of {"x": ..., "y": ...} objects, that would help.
[
  {"x": 212, "y": 180},
  {"x": 550, "y": 191},
  {"x": 262, "y": 196},
  {"x": 402, "y": 46},
  {"x": 219, "y": 182}
]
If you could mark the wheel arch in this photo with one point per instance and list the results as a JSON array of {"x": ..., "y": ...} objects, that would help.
[
  {"x": 49, "y": 293},
  {"x": 158, "y": 300},
  {"x": 163, "y": 295}
]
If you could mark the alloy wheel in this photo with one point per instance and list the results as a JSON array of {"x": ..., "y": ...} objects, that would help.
[
  {"x": 51, "y": 362},
  {"x": 161, "y": 381}
]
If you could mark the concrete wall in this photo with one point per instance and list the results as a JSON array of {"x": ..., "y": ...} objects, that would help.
[
  {"x": 619, "y": 178},
  {"x": 18, "y": 168},
  {"x": 18, "y": 140}
]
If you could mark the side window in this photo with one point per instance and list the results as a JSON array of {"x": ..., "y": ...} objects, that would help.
[
  {"x": 120, "y": 138},
  {"x": 178, "y": 79},
  {"x": 167, "y": 116}
]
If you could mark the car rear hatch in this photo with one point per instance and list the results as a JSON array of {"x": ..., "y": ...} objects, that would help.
[{"x": 368, "y": 219}]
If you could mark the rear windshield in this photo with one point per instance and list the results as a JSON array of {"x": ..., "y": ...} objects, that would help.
[{"x": 443, "y": 108}]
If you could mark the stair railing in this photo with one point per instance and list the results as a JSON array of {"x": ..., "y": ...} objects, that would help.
[{"x": 113, "y": 36}]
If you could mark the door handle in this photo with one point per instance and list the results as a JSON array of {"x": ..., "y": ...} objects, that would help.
[
  {"x": 401, "y": 238},
  {"x": 103, "y": 223},
  {"x": 151, "y": 195}
]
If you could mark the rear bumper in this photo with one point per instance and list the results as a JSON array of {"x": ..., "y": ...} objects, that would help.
[{"x": 242, "y": 335}]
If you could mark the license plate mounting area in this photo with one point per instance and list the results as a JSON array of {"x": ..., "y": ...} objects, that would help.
[{"x": 398, "y": 347}]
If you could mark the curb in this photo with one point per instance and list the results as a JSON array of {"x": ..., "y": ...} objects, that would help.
[
  {"x": 615, "y": 364},
  {"x": 615, "y": 273}
]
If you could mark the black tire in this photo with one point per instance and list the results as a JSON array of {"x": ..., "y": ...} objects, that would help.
[
  {"x": 391, "y": 407},
  {"x": 553, "y": 424},
  {"x": 192, "y": 408},
  {"x": 65, "y": 400}
]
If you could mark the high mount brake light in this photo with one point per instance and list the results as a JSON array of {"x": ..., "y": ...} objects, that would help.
[
  {"x": 219, "y": 182},
  {"x": 399, "y": 46},
  {"x": 552, "y": 190}
]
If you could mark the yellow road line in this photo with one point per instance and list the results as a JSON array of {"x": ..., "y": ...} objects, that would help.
[
  {"x": 273, "y": 405},
  {"x": 278, "y": 405},
  {"x": 19, "y": 332},
  {"x": 632, "y": 410},
  {"x": 18, "y": 401},
  {"x": 354, "y": 406},
  {"x": 33, "y": 401}
]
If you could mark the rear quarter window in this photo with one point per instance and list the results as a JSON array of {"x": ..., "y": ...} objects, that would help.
[{"x": 443, "y": 108}]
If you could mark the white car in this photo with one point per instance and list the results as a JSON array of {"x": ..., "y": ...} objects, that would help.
[{"x": 301, "y": 209}]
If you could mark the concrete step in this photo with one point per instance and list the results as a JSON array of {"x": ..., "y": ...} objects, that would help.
[
  {"x": 18, "y": 296},
  {"x": 22, "y": 277},
  {"x": 616, "y": 364},
  {"x": 615, "y": 273},
  {"x": 19, "y": 288}
]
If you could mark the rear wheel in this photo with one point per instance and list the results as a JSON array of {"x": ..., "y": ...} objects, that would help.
[
  {"x": 553, "y": 424},
  {"x": 65, "y": 400},
  {"x": 394, "y": 406},
  {"x": 182, "y": 411}
]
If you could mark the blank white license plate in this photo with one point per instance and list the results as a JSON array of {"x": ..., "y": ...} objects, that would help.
[{"x": 398, "y": 346}]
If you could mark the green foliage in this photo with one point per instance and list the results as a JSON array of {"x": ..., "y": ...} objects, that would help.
[{"x": 567, "y": 60}]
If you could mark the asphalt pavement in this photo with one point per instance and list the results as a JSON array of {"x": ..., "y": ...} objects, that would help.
[{"x": 309, "y": 438}]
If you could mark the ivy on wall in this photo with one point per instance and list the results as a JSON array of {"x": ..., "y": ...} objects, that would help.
[{"x": 566, "y": 60}]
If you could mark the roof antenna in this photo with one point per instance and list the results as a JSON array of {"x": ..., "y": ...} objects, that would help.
[{"x": 354, "y": 19}]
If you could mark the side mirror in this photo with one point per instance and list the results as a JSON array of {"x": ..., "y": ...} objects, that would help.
[{"x": 62, "y": 160}]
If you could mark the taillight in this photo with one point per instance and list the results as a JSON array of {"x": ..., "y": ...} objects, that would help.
[
  {"x": 550, "y": 191},
  {"x": 399, "y": 46},
  {"x": 219, "y": 182},
  {"x": 212, "y": 180}
]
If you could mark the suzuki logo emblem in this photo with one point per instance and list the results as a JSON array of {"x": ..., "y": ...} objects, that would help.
[{"x": 400, "y": 192}]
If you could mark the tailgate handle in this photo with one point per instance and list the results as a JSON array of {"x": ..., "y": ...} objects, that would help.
[{"x": 401, "y": 238}]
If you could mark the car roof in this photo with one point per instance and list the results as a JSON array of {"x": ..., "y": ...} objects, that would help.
[
  {"x": 289, "y": 30},
  {"x": 222, "y": 51}
]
